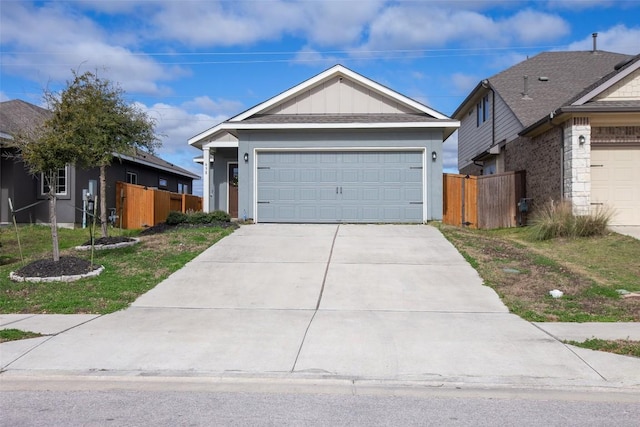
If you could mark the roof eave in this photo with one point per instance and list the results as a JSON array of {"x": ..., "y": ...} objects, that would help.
[
  {"x": 470, "y": 100},
  {"x": 156, "y": 166}
]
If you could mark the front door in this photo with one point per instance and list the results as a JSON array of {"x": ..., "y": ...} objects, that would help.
[{"x": 233, "y": 190}]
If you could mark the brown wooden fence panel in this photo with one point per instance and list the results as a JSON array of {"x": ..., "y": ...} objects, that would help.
[
  {"x": 459, "y": 204},
  {"x": 138, "y": 206},
  {"x": 484, "y": 202},
  {"x": 191, "y": 203}
]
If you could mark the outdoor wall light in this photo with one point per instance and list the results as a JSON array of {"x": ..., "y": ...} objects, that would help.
[
  {"x": 434, "y": 156},
  {"x": 581, "y": 139},
  {"x": 246, "y": 157}
]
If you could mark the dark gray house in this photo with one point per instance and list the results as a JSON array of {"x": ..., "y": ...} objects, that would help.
[
  {"x": 336, "y": 148},
  {"x": 27, "y": 191},
  {"x": 571, "y": 120}
]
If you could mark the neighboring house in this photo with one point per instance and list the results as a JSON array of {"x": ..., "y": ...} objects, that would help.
[
  {"x": 25, "y": 189},
  {"x": 336, "y": 148},
  {"x": 571, "y": 120}
]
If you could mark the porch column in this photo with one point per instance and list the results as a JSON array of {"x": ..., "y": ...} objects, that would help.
[
  {"x": 206, "y": 179},
  {"x": 577, "y": 164}
]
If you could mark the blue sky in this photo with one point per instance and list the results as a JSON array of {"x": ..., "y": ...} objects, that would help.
[{"x": 192, "y": 64}]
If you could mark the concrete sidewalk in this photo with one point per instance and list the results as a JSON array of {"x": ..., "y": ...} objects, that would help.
[{"x": 378, "y": 302}]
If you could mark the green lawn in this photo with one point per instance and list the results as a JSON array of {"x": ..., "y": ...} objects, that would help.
[{"x": 129, "y": 272}]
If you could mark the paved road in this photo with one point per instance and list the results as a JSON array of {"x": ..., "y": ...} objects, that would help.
[
  {"x": 376, "y": 302},
  {"x": 231, "y": 409}
]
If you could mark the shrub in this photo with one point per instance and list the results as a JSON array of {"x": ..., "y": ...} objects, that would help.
[
  {"x": 175, "y": 218},
  {"x": 557, "y": 220},
  {"x": 220, "y": 216},
  {"x": 199, "y": 218},
  {"x": 192, "y": 217}
]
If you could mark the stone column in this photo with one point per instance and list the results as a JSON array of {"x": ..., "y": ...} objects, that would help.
[{"x": 577, "y": 164}]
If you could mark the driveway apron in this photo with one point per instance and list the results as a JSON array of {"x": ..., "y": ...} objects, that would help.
[{"x": 388, "y": 302}]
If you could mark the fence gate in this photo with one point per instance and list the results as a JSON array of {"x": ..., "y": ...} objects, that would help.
[{"x": 485, "y": 202}]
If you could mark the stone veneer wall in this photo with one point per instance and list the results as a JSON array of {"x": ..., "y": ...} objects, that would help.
[
  {"x": 541, "y": 158},
  {"x": 577, "y": 164}
]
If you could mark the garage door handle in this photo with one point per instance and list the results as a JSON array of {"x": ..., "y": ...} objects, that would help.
[
  {"x": 263, "y": 202},
  {"x": 336, "y": 190},
  {"x": 340, "y": 190},
  {"x": 415, "y": 203}
]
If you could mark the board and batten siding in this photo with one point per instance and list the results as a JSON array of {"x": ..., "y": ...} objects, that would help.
[
  {"x": 339, "y": 96},
  {"x": 340, "y": 140}
]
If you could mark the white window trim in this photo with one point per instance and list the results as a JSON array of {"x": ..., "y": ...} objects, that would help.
[
  {"x": 66, "y": 183},
  {"x": 133, "y": 174}
]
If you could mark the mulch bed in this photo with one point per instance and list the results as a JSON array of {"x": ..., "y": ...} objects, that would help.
[
  {"x": 102, "y": 241},
  {"x": 67, "y": 266}
]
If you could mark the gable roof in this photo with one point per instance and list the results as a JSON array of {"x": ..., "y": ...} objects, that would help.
[
  {"x": 258, "y": 117},
  {"x": 554, "y": 80},
  {"x": 17, "y": 115}
]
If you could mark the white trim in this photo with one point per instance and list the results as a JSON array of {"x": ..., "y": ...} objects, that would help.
[
  {"x": 229, "y": 126},
  {"x": 327, "y": 74},
  {"x": 377, "y": 125},
  {"x": 339, "y": 149},
  {"x": 606, "y": 85},
  {"x": 221, "y": 144},
  {"x": 67, "y": 181},
  {"x": 229, "y": 163}
]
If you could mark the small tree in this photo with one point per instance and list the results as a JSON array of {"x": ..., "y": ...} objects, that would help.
[
  {"x": 98, "y": 121},
  {"x": 45, "y": 150}
]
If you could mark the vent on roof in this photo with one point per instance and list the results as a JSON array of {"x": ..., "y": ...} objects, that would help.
[
  {"x": 543, "y": 78},
  {"x": 595, "y": 44},
  {"x": 525, "y": 92}
]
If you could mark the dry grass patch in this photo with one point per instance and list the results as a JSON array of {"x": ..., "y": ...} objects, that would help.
[{"x": 588, "y": 270}]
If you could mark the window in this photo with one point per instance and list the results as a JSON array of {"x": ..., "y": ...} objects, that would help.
[
  {"x": 162, "y": 183},
  {"x": 132, "y": 178},
  {"x": 482, "y": 110},
  {"x": 183, "y": 188},
  {"x": 59, "y": 180}
]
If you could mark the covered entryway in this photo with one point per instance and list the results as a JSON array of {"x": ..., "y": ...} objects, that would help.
[
  {"x": 615, "y": 178},
  {"x": 340, "y": 186}
]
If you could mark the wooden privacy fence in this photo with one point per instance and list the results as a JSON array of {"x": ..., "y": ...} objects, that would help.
[
  {"x": 138, "y": 206},
  {"x": 485, "y": 202}
]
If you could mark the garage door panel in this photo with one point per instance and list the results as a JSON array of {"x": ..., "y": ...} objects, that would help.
[
  {"x": 615, "y": 182},
  {"x": 339, "y": 186}
]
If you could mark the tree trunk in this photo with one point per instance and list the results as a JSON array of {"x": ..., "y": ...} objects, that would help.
[
  {"x": 53, "y": 219},
  {"x": 103, "y": 201}
]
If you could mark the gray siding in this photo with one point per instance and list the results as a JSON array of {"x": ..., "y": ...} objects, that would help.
[
  {"x": 507, "y": 125},
  {"x": 431, "y": 140},
  {"x": 472, "y": 139}
]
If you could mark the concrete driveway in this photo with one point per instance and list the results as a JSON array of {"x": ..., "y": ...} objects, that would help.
[{"x": 387, "y": 302}]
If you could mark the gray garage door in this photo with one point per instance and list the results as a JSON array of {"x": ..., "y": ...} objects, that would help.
[{"x": 339, "y": 186}]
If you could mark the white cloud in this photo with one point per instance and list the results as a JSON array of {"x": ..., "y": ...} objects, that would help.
[
  {"x": 463, "y": 83},
  {"x": 45, "y": 43},
  {"x": 420, "y": 25},
  {"x": 531, "y": 26},
  {"x": 3, "y": 97},
  {"x": 176, "y": 124},
  {"x": 219, "y": 106},
  {"x": 450, "y": 154},
  {"x": 616, "y": 39}
]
